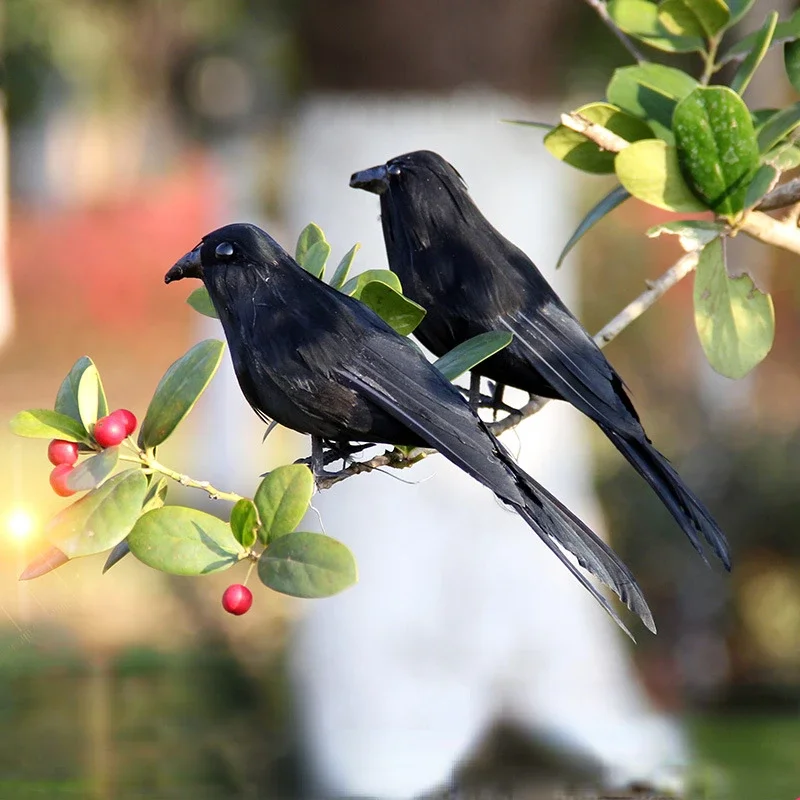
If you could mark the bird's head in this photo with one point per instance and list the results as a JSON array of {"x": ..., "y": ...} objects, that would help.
[{"x": 239, "y": 245}]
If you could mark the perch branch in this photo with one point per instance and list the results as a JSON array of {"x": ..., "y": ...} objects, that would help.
[{"x": 600, "y": 7}]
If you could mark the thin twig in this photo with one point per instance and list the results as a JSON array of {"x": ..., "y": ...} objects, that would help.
[
  {"x": 600, "y": 7},
  {"x": 603, "y": 137}
]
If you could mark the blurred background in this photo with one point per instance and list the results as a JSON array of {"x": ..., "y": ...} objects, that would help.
[{"x": 132, "y": 128}]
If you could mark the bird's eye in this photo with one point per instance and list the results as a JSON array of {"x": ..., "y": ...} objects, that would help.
[
  {"x": 224, "y": 250},
  {"x": 394, "y": 170}
]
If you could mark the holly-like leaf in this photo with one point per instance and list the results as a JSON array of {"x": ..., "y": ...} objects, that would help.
[
  {"x": 651, "y": 92},
  {"x": 693, "y": 234},
  {"x": 282, "y": 500},
  {"x": 343, "y": 270},
  {"x": 244, "y": 522},
  {"x": 392, "y": 307},
  {"x": 200, "y": 301},
  {"x": 67, "y": 397},
  {"x": 639, "y": 18},
  {"x": 316, "y": 258},
  {"x": 614, "y": 198},
  {"x": 575, "y": 149},
  {"x": 310, "y": 235},
  {"x": 303, "y": 564},
  {"x": 778, "y": 127},
  {"x": 41, "y": 423},
  {"x": 649, "y": 170},
  {"x": 100, "y": 519},
  {"x": 735, "y": 321},
  {"x": 184, "y": 541},
  {"x": 717, "y": 146},
  {"x": 178, "y": 391},
  {"x": 93, "y": 471},
  {"x": 355, "y": 286},
  {"x": 695, "y": 18},
  {"x": 747, "y": 68},
  {"x": 470, "y": 353}
]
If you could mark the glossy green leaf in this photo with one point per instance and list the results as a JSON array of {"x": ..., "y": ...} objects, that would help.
[
  {"x": 701, "y": 18},
  {"x": 354, "y": 286},
  {"x": 156, "y": 495},
  {"x": 41, "y": 423},
  {"x": 100, "y": 519},
  {"x": 717, "y": 146},
  {"x": 343, "y": 270},
  {"x": 751, "y": 61},
  {"x": 45, "y": 562},
  {"x": 783, "y": 157},
  {"x": 310, "y": 235},
  {"x": 316, "y": 258},
  {"x": 791, "y": 61},
  {"x": 200, "y": 301},
  {"x": 764, "y": 181},
  {"x": 614, "y": 198},
  {"x": 91, "y": 472},
  {"x": 575, "y": 149},
  {"x": 693, "y": 234},
  {"x": 392, "y": 307},
  {"x": 650, "y": 91},
  {"x": 89, "y": 390},
  {"x": 786, "y": 31},
  {"x": 244, "y": 522},
  {"x": 649, "y": 170},
  {"x": 118, "y": 552},
  {"x": 639, "y": 18},
  {"x": 282, "y": 500},
  {"x": 303, "y": 564},
  {"x": 738, "y": 9},
  {"x": 778, "y": 127},
  {"x": 184, "y": 541},
  {"x": 179, "y": 390},
  {"x": 735, "y": 321},
  {"x": 67, "y": 397},
  {"x": 470, "y": 353}
]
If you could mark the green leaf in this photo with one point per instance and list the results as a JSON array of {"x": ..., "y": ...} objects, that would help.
[
  {"x": 614, "y": 198},
  {"x": 703, "y": 18},
  {"x": 748, "y": 67},
  {"x": 764, "y": 181},
  {"x": 778, "y": 127},
  {"x": 470, "y": 353},
  {"x": 575, "y": 149},
  {"x": 67, "y": 397},
  {"x": 93, "y": 471},
  {"x": 650, "y": 91},
  {"x": 316, "y": 258},
  {"x": 343, "y": 270},
  {"x": 649, "y": 170},
  {"x": 639, "y": 18},
  {"x": 791, "y": 61},
  {"x": 303, "y": 564},
  {"x": 282, "y": 500},
  {"x": 693, "y": 234},
  {"x": 735, "y": 321},
  {"x": 783, "y": 157},
  {"x": 156, "y": 496},
  {"x": 717, "y": 146},
  {"x": 310, "y": 235},
  {"x": 786, "y": 31},
  {"x": 184, "y": 541},
  {"x": 178, "y": 391},
  {"x": 529, "y": 123},
  {"x": 738, "y": 9},
  {"x": 244, "y": 522},
  {"x": 41, "y": 423},
  {"x": 200, "y": 301},
  {"x": 89, "y": 391},
  {"x": 354, "y": 286},
  {"x": 116, "y": 555},
  {"x": 45, "y": 562},
  {"x": 392, "y": 307},
  {"x": 100, "y": 519}
]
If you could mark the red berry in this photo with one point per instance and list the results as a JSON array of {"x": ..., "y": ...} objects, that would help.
[
  {"x": 109, "y": 431},
  {"x": 127, "y": 417},
  {"x": 60, "y": 451},
  {"x": 58, "y": 480},
  {"x": 237, "y": 599}
]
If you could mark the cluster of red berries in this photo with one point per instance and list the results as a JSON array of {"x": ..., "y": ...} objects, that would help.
[{"x": 109, "y": 431}]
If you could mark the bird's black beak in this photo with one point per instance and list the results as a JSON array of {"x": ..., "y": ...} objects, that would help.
[
  {"x": 375, "y": 179},
  {"x": 189, "y": 266}
]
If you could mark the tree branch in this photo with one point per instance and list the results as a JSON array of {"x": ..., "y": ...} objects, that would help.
[{"x": 600, "y": 7}]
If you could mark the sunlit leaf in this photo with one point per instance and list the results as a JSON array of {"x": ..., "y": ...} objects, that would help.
[
  {"x": 639, "y": 18},
  {"x": 91, "y": 472},
  {"x": 309, "y": 236},
  {"x": 316, "y": 258},
  {"x": 41, "y": 423},
  {"x": 784, "y": 32},
  {"x": 45, "y": 562},
  {"x": 472, "y": 352},
  {"x": 89, "y": 393},
  {"x": 392, "y": 307},
  {"x": 67, "y": 397},
  {"x": 703, "y": 18},
  {"x": 282, "y": 500},
  {"x": 343, "y": 270},
  {"x": 747, "y": 68},
  {"x": 355, "y": 285},
  {"x": 244, "y": 522}
]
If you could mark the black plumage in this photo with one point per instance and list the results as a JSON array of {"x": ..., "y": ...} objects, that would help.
[
  {"x": 322, "y": 363},
  {"x": 471, "y": 279}
]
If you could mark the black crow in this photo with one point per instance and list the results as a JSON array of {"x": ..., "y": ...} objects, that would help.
[
  {"x": 471, "y": 279},
  {"x": 322, "y": 363}
]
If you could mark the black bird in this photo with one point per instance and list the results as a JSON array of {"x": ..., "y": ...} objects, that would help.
[
  {"x": 471, "y": 279},
  {"x": 322, "y": 363}
]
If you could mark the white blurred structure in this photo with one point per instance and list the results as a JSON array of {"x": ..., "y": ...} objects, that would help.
[{"x": 461, "y": 616}]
